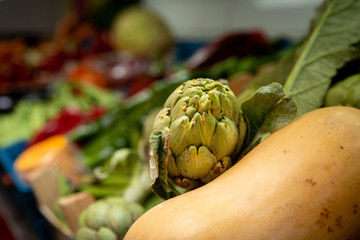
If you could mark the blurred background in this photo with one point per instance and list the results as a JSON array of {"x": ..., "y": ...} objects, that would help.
[
  {"x": 188, "y": 20},
  {"x": 94, "y": 70}
]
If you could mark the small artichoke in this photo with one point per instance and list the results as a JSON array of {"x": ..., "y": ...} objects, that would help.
[
  {"x": 196, "y": 136},
  {"x": 345, "y": 93},
  {"x": 108, "y": 219}
]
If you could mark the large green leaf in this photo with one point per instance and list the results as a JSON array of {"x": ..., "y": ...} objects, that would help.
[
  {"x": 278, "y": 74},
  {"x": 328, "y": 48},
  {"x": 267, "y": 110}
]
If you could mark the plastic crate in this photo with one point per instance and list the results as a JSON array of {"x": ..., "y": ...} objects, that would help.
[{"x": 8, "y": 156}]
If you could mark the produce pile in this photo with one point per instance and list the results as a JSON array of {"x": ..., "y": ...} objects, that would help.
[{"x": 248, "y": 138}]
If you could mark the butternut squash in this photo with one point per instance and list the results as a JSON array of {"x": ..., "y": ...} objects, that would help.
[{"x": 301, "y": 183}]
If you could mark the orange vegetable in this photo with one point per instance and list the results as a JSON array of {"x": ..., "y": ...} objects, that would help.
[
  {"x": 55, "y": 151},
  {"x": 300, "y": 183}
]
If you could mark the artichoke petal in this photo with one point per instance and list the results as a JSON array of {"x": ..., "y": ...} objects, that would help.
[
  {"x": 174, "y": 97},
  {"x": 85, "y": 233},
  {"x": 136, "y": 210},
  {"x": 225, "y": 138},
  {"x": 243, "y": 135},
  {"x": 179, "y": 108},
  {"x": 182, "y": 134},
  {"x": 227, "y": 107},
  {"x": 96, "y": 214},
  {"x": 207, "y": 124},
  {"x": 195, "y": 163},
  {"x": 105, "y": 233},
  {"x": 119, "y": 220},
  {"x": 187, "y": 183},
  {"x": 220, "y": 167},
  {"x": 171, "y": 166},
  {"x": 204, "y": 104},
  {"x": 190, "y": 111},
  {"x": 162, "y": 119},
  {"x": 215, "y": 104},
  {"x": 194, "y": 100}
]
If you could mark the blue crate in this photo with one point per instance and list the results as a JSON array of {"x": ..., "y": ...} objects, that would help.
[{"x": 8, "y": 156}]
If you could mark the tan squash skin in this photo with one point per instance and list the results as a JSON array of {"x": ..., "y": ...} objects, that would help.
[{"x": 301, "y": 183}]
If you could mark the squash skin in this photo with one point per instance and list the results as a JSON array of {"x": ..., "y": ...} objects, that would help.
[{"x": 301, "y": 183}]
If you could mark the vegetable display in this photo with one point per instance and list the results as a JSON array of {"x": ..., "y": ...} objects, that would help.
[
  {"x": 306, "y": 188},
  {"x": 247, "y": 139}
]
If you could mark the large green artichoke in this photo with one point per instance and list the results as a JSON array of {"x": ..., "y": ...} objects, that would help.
[
  {"x": 108, "y": 219},
  {"x": 196, "y": 136}
]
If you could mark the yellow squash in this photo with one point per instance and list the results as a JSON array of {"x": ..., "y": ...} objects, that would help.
[{"x": 301, "y": 183}]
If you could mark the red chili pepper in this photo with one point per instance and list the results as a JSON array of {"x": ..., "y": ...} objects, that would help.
[{"x": 65, "y": 121}]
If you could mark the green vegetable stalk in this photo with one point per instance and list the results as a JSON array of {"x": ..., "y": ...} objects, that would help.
[
  {"x": 124, "y": 174},
  {"x": 196, "y": 136},
  {"x": 108, "y": 219}
]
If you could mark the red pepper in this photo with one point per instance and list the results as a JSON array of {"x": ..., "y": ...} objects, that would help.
[
  {"x": 236, "y": 44},
  {"x": 65, "y": 121}
]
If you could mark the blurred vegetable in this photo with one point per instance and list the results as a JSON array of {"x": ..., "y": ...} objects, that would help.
[
  {"x": 236, "y": 44},
  {"x": 108, "y": 219},
  {"x": 142, "y": 32},
  {"x": 66, "y": 120},
  {"x": 196, "y": 135},
  {"x": 55, "y": 151},
  {"x": 33, "y": 158},
  {"x": 29, "y": 64},
  {"x": 345, "y": 93},
  {"x": 30, "y": 115},
  {"x": 122, "y": 127},
  {"x": 125, "y": 73},
  {"x": 125, "y": 174}
]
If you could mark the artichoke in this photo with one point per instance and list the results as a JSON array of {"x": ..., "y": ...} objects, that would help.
[
  {"x": 345, "y": 93},
  {"x": 108, "y": 219},
  {"x": 196, "y": 136}
]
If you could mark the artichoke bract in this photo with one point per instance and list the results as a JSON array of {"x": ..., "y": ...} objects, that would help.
[
  {"x": 345, "y": 93},
  {"x": 108, "y": 219},
  {"x": 196, "y": 136}
]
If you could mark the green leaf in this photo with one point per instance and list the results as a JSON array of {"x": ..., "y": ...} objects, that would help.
[
  {"x": 278, "y": 74},
  {"x": 160, "y": 147},
  {"x": 268, "y": 110},
  {"x": 328, "y": 48}
]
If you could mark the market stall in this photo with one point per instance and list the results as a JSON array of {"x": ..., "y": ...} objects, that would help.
[{"x": 112, "y": 124}]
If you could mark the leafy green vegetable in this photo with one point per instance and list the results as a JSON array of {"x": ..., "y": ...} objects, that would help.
[
  {"x": 328, "y": 48},
  {"x": 277, "y": 74},
  {"x": 125, "y": 174},
  {"x": 306, "y": 72},
  {"x": 30, "y": 115}
]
